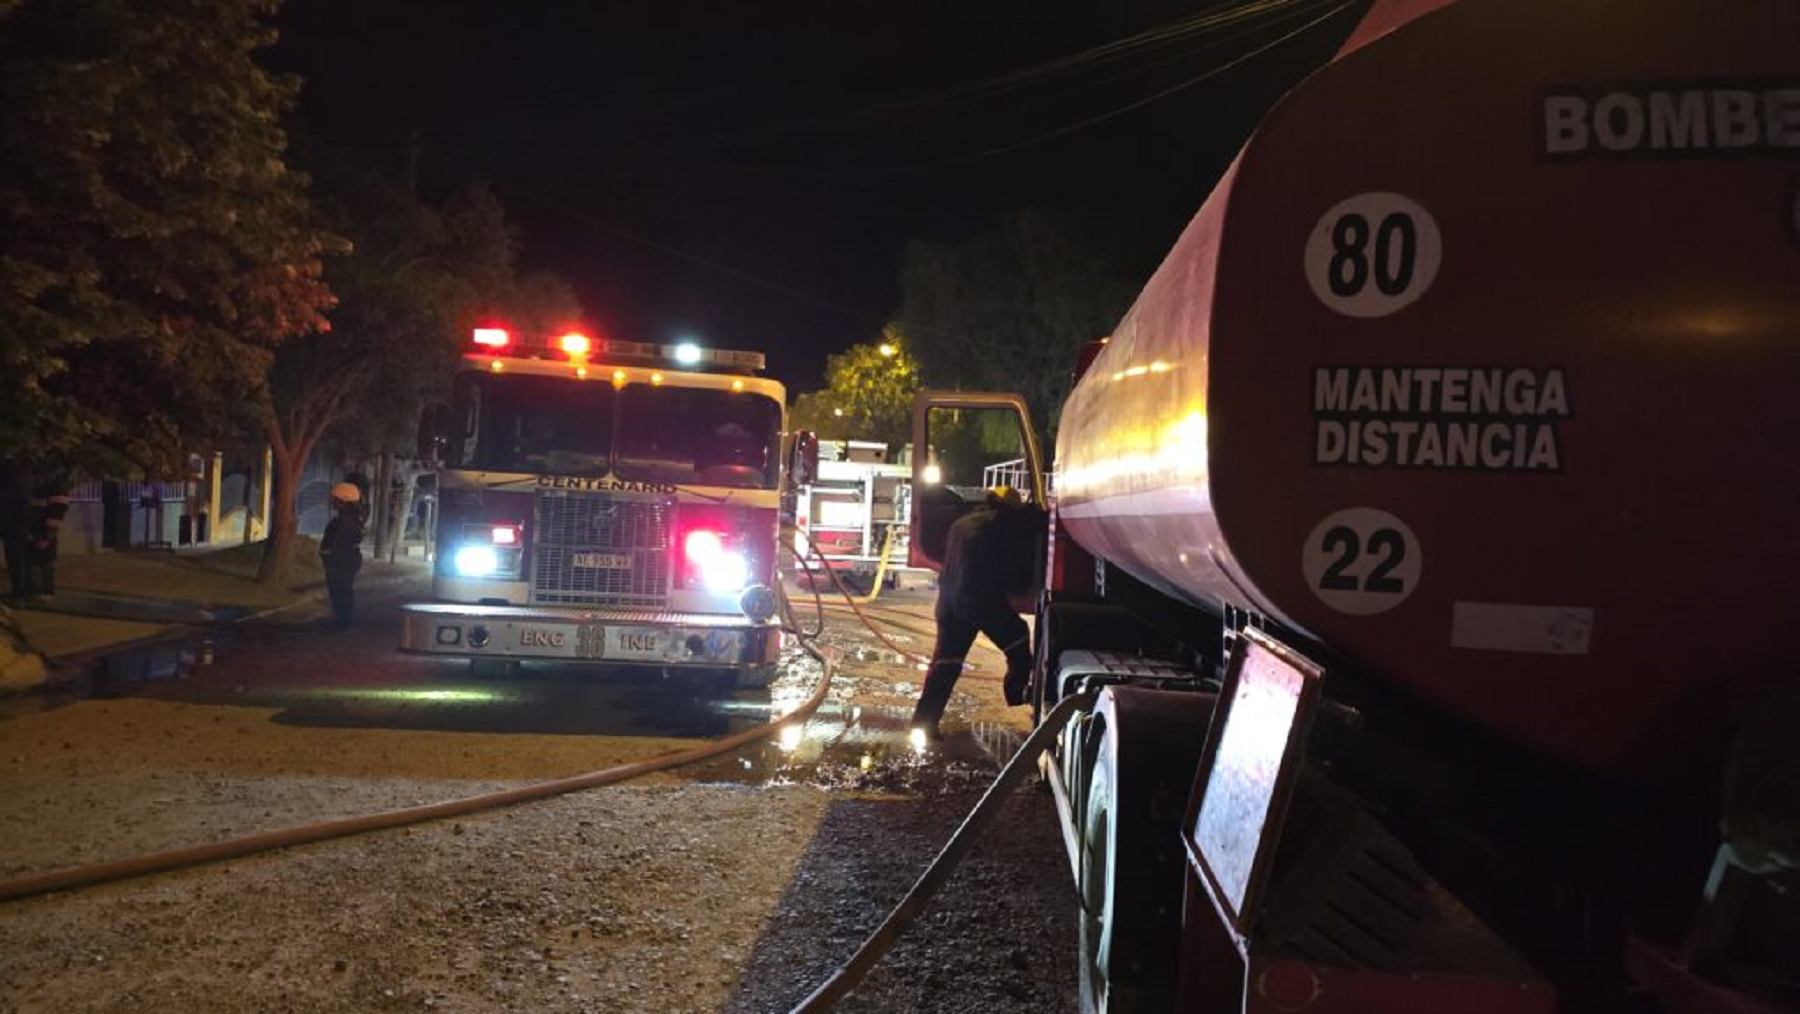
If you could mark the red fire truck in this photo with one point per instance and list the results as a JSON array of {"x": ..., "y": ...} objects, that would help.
[{"x": 606, "y": 501}]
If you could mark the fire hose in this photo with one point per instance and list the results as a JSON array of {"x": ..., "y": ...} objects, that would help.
[
  {"x": 74, "y": 877},
  {"x": 847, "y": 977},
  {"x": 71, "y": 878},
  {"x": 841, "y": 983}
]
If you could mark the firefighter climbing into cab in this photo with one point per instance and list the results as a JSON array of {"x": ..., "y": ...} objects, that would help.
[{"x": 989, "y": 556}]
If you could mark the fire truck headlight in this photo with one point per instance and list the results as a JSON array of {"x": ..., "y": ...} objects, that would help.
[
  {"x": 476, "y": 561},
  {"x": 757, "y": 602},
  {"x": 726, "y": 571}
]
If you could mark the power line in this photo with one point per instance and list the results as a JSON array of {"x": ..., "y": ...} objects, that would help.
[
  {"x": 1118, "y": 49},
  {"x": 1083, "y": 124}
]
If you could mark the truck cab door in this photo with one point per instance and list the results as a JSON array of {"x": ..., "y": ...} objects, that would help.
[{"x": 963, "y": 444}]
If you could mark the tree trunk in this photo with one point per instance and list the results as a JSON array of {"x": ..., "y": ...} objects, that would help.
[
  {"x": 403, "y": 502},
  {"x": 284, "y": 525},
  {"x": 382, "y": 516}
]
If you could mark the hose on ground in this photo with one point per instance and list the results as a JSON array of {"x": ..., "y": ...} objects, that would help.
[
  {"x": 855, "y": 606},
  {"x": 158, "y": 862},
  {"x": 857, "y": 968},
  {"x": 838, "y": 583}
]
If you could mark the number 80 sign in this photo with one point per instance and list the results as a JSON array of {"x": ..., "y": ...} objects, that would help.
[{"x": 1372, "y": 254}]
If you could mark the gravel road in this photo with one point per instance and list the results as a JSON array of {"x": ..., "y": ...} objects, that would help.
[{"x": 736, "y": 887}]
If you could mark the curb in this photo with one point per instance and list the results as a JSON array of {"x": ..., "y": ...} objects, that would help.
[{"x": 62, "y": 667}]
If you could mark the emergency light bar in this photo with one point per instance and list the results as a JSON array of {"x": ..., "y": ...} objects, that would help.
[{"x": 578, "y": 346}]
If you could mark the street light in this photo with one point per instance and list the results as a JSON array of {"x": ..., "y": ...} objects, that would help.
[{"x": 887, "y": 351}]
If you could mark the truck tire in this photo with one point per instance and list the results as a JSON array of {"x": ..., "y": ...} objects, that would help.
[
  {"x": 493, "y": 668},
  {"x": 1138, "y": 751},
  {"x": 1097, "y": 871}
]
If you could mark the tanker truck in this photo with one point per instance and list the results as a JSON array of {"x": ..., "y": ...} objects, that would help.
[{"x": 1423, "y": 561}]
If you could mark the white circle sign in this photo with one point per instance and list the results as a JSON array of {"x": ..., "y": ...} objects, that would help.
[
  {"x": 1362, "y": 561},
  {"x": 1372, "y": 254}
]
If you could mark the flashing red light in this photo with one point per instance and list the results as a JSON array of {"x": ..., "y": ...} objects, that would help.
[
  {"x": 505, "y": 535},
  {"x": 575, "y": 343},
  {"x": 492, "y": 337}
]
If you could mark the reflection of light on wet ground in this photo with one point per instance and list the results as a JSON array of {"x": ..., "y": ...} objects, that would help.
[
  {"x": 791, "y": 737},
  {"x": 389, "y": 695}
]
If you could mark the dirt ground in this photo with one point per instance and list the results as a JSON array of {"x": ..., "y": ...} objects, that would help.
[{"x": 708, "y": 890}]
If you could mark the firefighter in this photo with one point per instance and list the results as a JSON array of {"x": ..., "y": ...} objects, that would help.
[
  {"x": 988, "y": 558},
  {"x": 49, "y": 508},
  {"x": 341, "y": 552},
  {"x": 15, "y": 526}
]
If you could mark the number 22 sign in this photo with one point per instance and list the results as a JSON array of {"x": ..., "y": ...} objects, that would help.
[
  {"x": 1372, "y": 254},
  {"x": 1362, "y": 561}
]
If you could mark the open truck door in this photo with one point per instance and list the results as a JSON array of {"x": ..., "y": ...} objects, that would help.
[{"x": 963, "y": 444}]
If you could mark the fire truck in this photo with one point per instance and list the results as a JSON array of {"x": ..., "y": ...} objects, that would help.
[
  {"x": 606, "y": 501},
  {"x": 1422, "y": 571},
  {"x": 854, "y": 512}
]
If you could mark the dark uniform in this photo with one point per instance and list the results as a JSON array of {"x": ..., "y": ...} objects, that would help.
[
  {"x": 49, "y": 508},
  {"x": 341, "y": 552},
  {"x": 989, "y": 557},
  {"x": 15, "y": 525}
]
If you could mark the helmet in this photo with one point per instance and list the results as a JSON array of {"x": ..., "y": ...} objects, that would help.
[
  {"x": 1005, "y": 495},
  {"x": 346, "y": 492}
]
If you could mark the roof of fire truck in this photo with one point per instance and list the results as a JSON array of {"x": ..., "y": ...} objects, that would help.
[{"x": 575, "y": 354}]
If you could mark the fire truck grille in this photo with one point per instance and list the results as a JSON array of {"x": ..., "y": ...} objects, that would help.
[{"x": 593, "y": 549}]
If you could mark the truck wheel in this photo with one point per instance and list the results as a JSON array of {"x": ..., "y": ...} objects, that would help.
[
  {"x": 493, "y": 668},
  {"x": 1098, "y": 874},
  {"x": 1131, "y": 863}
]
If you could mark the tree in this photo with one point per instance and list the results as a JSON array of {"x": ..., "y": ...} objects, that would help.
[
  {"x": 1009, "y": 310},
  {"x": 867, "y": 395},
  {"x": 155, "y": 248},
  {"x": 413, "y": 284}
]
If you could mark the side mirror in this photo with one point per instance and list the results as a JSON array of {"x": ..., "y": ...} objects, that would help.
[
  {"x": 803, "y": 468},
  {"x": 433, "y": 439}
]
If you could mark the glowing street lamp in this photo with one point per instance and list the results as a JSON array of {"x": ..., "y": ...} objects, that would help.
[{"x": 887, "y": 351}]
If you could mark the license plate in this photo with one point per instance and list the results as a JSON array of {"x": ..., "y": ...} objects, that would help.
[
  {"x": 603, "y": 561},
  {"x": 636, "y": 642}
]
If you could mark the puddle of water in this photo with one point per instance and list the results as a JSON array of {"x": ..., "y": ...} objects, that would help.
[
  {"x": 117, "y": 673},
  {"x": 856, "y": 748}
]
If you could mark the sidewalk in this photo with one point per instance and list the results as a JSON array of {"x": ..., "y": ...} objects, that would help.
[{"x": 108, "y": 600}]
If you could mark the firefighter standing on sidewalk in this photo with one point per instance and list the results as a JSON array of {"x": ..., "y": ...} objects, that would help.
[
  {"x": 49, "y": 508},
  {"x": 15, "y": 526},
  {"x": 988, "y": 557},
  {"x": 341, "y": 552}
]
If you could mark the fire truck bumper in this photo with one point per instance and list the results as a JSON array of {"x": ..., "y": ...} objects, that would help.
[{"x": 626, "y": 636}]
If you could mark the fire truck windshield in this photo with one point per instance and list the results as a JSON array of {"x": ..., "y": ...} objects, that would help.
[
  {"x": 524, "y": 423},
  {"x": 704, "y": 436},
  {"x": 550, "y": 426}
]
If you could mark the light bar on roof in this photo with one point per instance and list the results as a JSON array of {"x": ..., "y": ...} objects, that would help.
[{"x": 578, "y": 346}]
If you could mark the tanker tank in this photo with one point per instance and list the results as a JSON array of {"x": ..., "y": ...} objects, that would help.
[{"x": 1488, "y": 384}]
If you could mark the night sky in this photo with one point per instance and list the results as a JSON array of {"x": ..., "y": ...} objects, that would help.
[{"x": 657, "y": 152}]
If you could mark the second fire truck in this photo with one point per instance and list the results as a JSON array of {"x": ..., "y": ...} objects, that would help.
[{"x": 607, "y": 501}]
